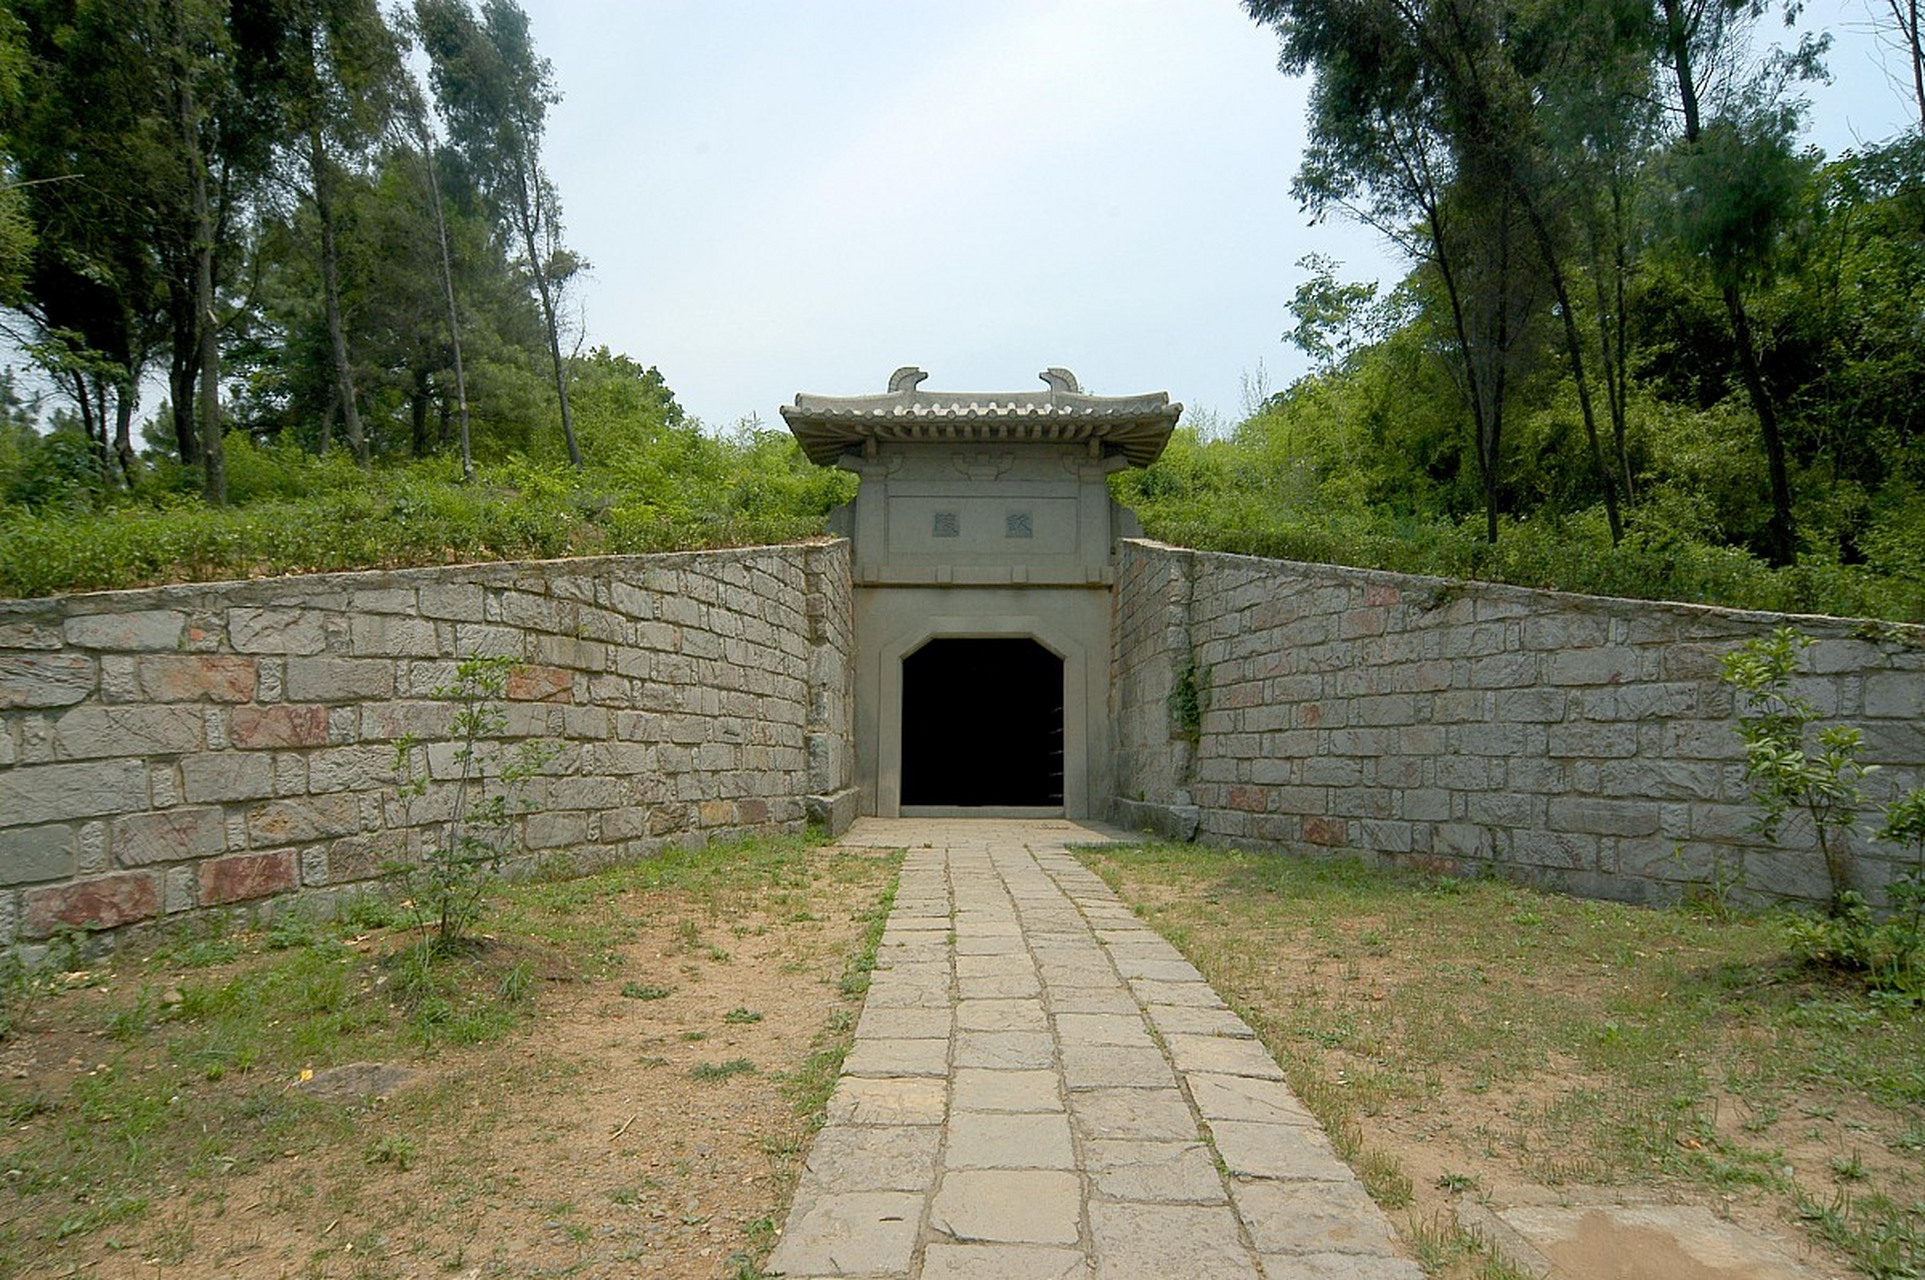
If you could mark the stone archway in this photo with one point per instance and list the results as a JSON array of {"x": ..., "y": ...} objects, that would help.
[{"x": 982, "y": 725}]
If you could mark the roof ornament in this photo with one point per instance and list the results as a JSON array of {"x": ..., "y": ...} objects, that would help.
[
  {"x": 908, "y": 378},
  {"x": 1060, "y": 380}
]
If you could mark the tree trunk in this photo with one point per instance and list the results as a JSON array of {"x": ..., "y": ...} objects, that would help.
[
  {"x": 331, "y": 289},
  {"x": 124, "y": 398},
  {"x": 530, "y": 222},
  {"x": 448, "y": 289},
  {"x": 418, "y": 413},
  {"x": 1547, "y": 250},
  {"x": 213, "y": 458},
  {"x": 1782, "y": 534},
  {"x": 543, "y": 288}
]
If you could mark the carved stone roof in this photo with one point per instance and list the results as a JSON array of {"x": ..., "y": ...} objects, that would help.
[{"x": 1136, "y": 427}]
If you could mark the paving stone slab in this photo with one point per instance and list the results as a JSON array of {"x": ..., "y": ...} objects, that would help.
[
  {"x": 1195, "y": 994},
  {"x": 1242, "y": 1098},
  {"x": 1001, "y": 1140},
  {"x": 1168, "y": 1172},
  {"x": 980, "y": 1089},
  {"x": 1108, "y": 999},
  {"x": 846, "y": 1158},
  {"x": 1011, "y": 1206},
  {"x": 1311, "y": 1217},
  {"x": 993, "y": 966},
  {"x": 1160, "y": 970},
  {"x": 1268, "y": 1149},
  {"x": 1093, "y": 1066},
  {"x": 1002, "y": 1262},
  {"x": 1002, "y": 986},
  {"x": 1007, "y": 1050},
  {"x": 897, "y": 1058},
  {"x": 915, "y": 1101},
  {"x": 864, "y": 1233},
  {"x": 1338, "y": 1266},
  {"x": 881, "y": 1022},
  {"x": 1132, "y": 1113},
  {"x": 1001, "y": 1015},
  {"x": 1103, "y": 1028},
  {"x": 1182, "y": 1020},
  {"x": 1164, "y": 1241},
  {"x": 1222, "y": 1055}
]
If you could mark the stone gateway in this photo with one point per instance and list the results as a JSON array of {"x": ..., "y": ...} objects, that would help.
[{"x": 984, "y": 549}]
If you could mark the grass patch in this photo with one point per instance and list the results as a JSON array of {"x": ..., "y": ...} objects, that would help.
[
  {"x": 1454, "y": 1033},
  {"x": 166, "y": 1079}
]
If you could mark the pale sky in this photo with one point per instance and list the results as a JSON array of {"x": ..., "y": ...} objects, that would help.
[{"x": 801, "y": 195}]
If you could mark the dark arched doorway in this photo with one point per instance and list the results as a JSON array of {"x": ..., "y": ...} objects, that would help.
[{"x": 982, "y": 725}]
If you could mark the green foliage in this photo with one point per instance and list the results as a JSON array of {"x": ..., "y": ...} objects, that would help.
[
  {"x": 670, "y": 486},
  {"x": 1784, "y": 776},
  {"x": 458, "y": 866},
  {"x": 1189, "y": 699}
]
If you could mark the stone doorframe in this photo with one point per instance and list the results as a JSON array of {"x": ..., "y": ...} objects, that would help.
[{"x": 886, "y": 678}]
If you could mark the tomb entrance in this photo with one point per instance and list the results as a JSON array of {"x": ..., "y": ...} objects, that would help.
[{"x": 982, "y": 544}]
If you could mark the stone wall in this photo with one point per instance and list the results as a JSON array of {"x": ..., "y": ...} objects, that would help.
[
  {"x": 1577, "y": 742},
  {"x": 189, "y": 747}
]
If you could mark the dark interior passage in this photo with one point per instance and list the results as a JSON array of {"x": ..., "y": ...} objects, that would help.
[{"x": 982, "y": 724}]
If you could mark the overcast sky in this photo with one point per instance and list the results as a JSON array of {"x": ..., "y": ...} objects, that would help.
[{"x": 801, "y": 195}]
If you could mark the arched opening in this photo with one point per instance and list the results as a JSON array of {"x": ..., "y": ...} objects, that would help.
[{"x": 982, "y": 725}]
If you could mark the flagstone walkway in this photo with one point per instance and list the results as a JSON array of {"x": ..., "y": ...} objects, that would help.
[{"x": 1042, "y": 1088}]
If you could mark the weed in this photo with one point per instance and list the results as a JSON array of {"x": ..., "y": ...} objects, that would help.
[
  {"x": 397, "y": 1149},
  {"x": 722, "y": 1070},
  {"x": 637, "y": 991},
  {"x": 457, "y": 868},
  {"x": 1785, "y": 777},
  {"x": 741, "y": 1017}
]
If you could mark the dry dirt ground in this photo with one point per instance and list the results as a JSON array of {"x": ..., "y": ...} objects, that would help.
[
  {"x": 1481, "y": 1120},
  {"x": 611, "y": 1135}
]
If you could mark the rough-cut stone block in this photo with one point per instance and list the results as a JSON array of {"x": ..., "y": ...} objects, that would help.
[
  {"x": 277, "y": 630},
  {"x": 339, "y": 679},
  {"x": 168, "y": 835},
  {"x": 33, "y": 854},
  {"x": 137, "y": 629},
  {"x": 286, "y": 725},
  {"x": 302, "y": 820},
  {"x": 196, "y": 678},
  {"x": 217, "y": 776},
  {"x": 1603, "y": 817},
  {"x": 44, "y": 680},
  {"x": 87, "y": 733},
  {"x": 34, "y": 794},
  {"x": 541, "y": 684},
  {"x": 392, "y": 636},
  {"x": 456, "y": 601},
  {"x": 104, "y": 903},
  {"x": 250, "y": 875}
]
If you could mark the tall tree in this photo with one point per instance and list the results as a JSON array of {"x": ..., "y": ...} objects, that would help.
[
  {"x": 494, "y": 92},
  {"x": 341, "y": 66},
  {"x": 1739, "y": 175},
  {"x": 1388, "y": 143}
]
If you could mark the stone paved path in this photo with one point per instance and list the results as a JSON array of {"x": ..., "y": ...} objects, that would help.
[{"x": 1042, "y": 1088}]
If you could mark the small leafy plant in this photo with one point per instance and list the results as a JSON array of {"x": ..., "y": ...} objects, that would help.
[
  {"x": 1785, "y": 777},
  {"x": 456, "y": 868}
]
